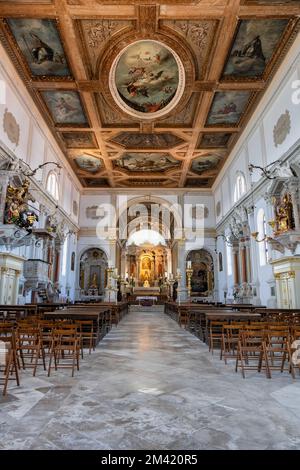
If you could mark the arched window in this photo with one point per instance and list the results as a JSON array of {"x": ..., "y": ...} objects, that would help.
[
  {"x": 240, "y": 186},
  {"x": 52, "y": 185},
  {"x": 262, "y": 233}
]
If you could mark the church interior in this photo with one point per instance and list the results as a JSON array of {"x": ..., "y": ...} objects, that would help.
[{"x": 149, "y": 224}]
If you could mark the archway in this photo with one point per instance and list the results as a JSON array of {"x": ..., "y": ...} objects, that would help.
[
  {"x": 92, "y": 273},
  {"x": 202, "y": 281},
  {"x": 147, "y": 258},
  {"x": 147, "y": 230}
]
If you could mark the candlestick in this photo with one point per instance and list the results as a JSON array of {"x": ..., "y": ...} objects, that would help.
[{"x": 189, "y": 273}]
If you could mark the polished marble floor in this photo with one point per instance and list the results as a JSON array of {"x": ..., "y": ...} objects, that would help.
[{"x": 151, "y": 385}]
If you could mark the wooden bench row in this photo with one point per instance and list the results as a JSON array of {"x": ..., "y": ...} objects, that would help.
[{"x": 197, "y": 317}]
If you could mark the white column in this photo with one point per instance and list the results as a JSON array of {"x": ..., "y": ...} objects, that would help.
[
  {"x": 182, "y": 290},
  {"x": 254, "y": 258},
  {"x": 294, "y": 191},
  {"x": 4, "y": 179},
  {"x": 123, "y": 262},
  {"x": 16, "y": 287},
  {"x": 2, "y": 284},
  {"x": 111, "y": 293}
]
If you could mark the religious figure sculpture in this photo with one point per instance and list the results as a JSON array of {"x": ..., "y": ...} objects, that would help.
[
  {"x": 146, "y": 281},
  {"x": 94, "y": 283},
  {"x": 16, "y": 207},
  {"x": 284, "y": 215}
]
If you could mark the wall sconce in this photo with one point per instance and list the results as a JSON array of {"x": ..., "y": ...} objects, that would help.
[
  {"x": 254, "y": 235},
  {"x": 273, "y": 170},
  {"x": 267, "y": 171},
  {"x": 272, "y": 224},
  {"x": 33, "y": 172}
]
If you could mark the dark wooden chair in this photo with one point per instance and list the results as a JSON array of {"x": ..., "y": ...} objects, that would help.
[
  {"x": 8, "y": 359},
  {"x": 65, "y": 350}
]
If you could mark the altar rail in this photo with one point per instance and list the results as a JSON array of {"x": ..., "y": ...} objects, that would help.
[{"x": 160, "y": 299}]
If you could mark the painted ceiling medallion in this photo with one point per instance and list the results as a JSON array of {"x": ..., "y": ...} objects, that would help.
[
  {"x": 11, "y": 127},
  {"x": 147, "y": 79}
]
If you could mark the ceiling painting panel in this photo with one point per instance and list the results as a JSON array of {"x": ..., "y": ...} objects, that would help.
[{"x": 161, "y": 91}]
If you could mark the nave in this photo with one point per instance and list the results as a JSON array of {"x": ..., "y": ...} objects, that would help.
[{"x": 151, "y": 385}]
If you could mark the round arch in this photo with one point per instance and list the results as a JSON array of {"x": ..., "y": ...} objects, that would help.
[
  {"x": 204, "y": 268},
  {"x": 92, "y": 265},
  {"x": 173, "y": 209}
]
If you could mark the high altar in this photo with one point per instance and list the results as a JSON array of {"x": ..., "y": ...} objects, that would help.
[{"x": 146, "y": 265}]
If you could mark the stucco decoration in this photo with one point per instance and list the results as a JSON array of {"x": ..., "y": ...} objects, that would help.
[
  {"x": 282, "y": 128},
  {"x": 11, "y": 127},
  {"x": 75, "y": 208}
]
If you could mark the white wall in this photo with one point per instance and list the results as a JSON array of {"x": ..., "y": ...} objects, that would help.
[
  {"x": 256, "y": 145},
  {"x": 36, "y": 146},
  {"x": 36, "y": 143}
]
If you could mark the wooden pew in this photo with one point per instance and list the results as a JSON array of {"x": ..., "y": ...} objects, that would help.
[
  {"x": 118, "y": 310},
  {"x": 101, "y": 318},
  {"x": 16, "y": 312}
]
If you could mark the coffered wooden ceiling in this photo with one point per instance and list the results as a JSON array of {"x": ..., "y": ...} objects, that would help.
[{"x": 229, "y": 49}]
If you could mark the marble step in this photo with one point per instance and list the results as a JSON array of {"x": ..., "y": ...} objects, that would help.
[{"x": 150, "y": 308}]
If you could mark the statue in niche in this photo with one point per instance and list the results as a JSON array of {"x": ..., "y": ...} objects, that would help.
[
  {"x": 94, "y": 283},
  {"x": 146, "y": 281},
  {"x": 285, "y": 215}
]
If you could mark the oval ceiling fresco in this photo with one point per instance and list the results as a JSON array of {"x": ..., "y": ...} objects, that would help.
[{"x": 147, "y": 79}]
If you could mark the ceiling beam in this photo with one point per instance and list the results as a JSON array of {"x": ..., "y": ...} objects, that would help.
[{"x": 224, "y": 39}]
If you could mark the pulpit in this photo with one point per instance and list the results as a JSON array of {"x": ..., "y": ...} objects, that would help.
[
  {"x": 287, "y": 277},
  {"x": 11, "y": 267}
]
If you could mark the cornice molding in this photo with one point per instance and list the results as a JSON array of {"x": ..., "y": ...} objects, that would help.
[
  {"x": 259, "y": 188},
  {"x": 36, "y": 117},
  {"x": 44, "y": 198},
  {"x": 280, "y": 78}
]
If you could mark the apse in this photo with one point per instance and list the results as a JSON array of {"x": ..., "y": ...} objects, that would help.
[{"x": 146, "y": 237}]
